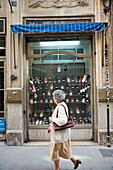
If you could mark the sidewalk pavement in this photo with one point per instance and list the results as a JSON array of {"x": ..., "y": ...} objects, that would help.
[{"x": 34, "y": 156}]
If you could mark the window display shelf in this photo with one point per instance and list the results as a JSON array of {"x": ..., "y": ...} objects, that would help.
[{"x": 76, "y": 86}]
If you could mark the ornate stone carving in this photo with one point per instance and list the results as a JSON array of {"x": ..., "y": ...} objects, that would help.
[{"x": 57, "y": 3}]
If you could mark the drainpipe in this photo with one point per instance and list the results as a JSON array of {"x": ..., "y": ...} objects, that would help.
[{"x": 107, "y": 9}]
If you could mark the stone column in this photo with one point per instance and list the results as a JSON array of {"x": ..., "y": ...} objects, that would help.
[
  {"x": 14, "y": 87},
  {"x": 100, "y": 16}
]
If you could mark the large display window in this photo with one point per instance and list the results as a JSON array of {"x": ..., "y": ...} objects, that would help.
[{"x": 62, "y": 65}]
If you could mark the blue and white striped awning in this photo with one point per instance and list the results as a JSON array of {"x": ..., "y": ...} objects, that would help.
[{"x": 66, "y": 27}]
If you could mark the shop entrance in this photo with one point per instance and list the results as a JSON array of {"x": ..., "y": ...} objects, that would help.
[{"x": 60, "y": 64}]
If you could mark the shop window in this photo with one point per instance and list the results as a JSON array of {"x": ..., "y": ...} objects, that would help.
[
  {"x": 2, "y": 46},
  {"x": 1, "y": 89},
  {"x": 62, "y": 71}
]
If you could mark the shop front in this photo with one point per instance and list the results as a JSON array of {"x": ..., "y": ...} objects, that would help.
[
  {"x": 60, "y": 57},
  {"x": 60, "y": 63}
]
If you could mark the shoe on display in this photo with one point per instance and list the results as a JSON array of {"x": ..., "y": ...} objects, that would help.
[
  {"x": 51, "y": 100},
  {"x": 37, "y": 122},
  {"x": 65, "y": 68},
  {"x": 31, "y": 81},
  {"x": 37, "y": 89},
  {"x": 87, "y": 95},
  {"x": 43, "y": 93},
  {"x": 67, "y": 87},
  {"x": 77, "y": 79},
  {"x": 72, "y": 100},
  {"x": 72, "y": 87},
  {"x": 52, "y": 69},
  {"x": 84, "y": 78},
  {"x": 85, "y": 120},
  {"x": 48, "y": 93},
  {"x": 35, "y": 101},
  {"x": 81, "y": 90},
  {"x": 45, "y": 118},
  {"x": 67, "y": 100},
  {"x": 59, "y": 80},
  {"x": 63, "y": 79},
  {"x": 41, "y": 100},
  {"x": 31, "y": 101},
  {"x": 51, "y": 86},
  {"x": 47, "y": 109},
  {"x": 70, "y": 93},
  {"x": 68, "y": 80},
  {"x": 74, "y": 119},
  {"x": 87, "y": 79},
  {"x": 37, "y": 79},
  {"x": 35, "y": 114},
  {"x": 49, "y": 79},
  {"x": 40, "y": 122},
  {"x": 41, "y": 80},
  {"x": 83, "y": 111},
  {"x": 31, "y": 89},
  {"x": 71, "y": 110},
  {"x": 45, "y": 87},
  {"x": 45, "y": 79},
  {"x": 80, "y": 80},
  {"x": 88, "y": 86},
  {"x": 80, "y": 120},
  {"x": 46, "y": 100},
  {"x": 59, "y": 69},
  {"x": 54, "y": 79},
  {"x": 56, "y": 87},
  {"x": 87, "y": 100},
  {"x": 77, "y": 100},
  {"x": 41, "y": 114},
  {"x": 34, "y": 89},
  {"x": 62, "y": 87},
  {"x": 83, "y": 100},
  {"x": 77, "y": 87},
  {"x": 77, "y": 110},
  {"x": 72, "y": 78}
]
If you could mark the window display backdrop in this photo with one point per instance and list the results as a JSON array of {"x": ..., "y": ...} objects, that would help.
[{"x": 56, "y": 72}]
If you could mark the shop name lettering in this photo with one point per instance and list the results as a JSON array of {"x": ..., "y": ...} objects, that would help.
[
  {"x": 55, "y": 22},
  {"x": 57, "y": 3}
]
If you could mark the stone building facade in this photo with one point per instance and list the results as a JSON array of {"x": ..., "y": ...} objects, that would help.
[{"x": 30, "y": 72}]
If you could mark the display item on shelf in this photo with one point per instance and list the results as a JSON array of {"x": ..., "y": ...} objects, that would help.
[
  {"x": 59, "y": 69},
  {"x": 77, "y": 79},
  {"x": 46, "y": 100},
  {"x": 80, "y": 80},
  {"x": 87, "y": 79},
  {"x": 41, "y": 100},
  {"x": 65, "y": 68},
  {"x": 84, "y": 78},
  {"x": 45, "y": 79},
  {"x": 51, "y": 100},
  {"x": 52, "y": 69},
  {"x": 68, "y": 79}
]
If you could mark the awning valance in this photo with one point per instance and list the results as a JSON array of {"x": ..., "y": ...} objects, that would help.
[{"x": 66, "y": 27}]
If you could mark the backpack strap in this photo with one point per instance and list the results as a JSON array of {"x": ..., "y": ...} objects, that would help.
[{"x": 64, "y": 109}]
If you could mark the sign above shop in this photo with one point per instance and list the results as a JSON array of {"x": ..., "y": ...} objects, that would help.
[{"x": 29, "y": 21}]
